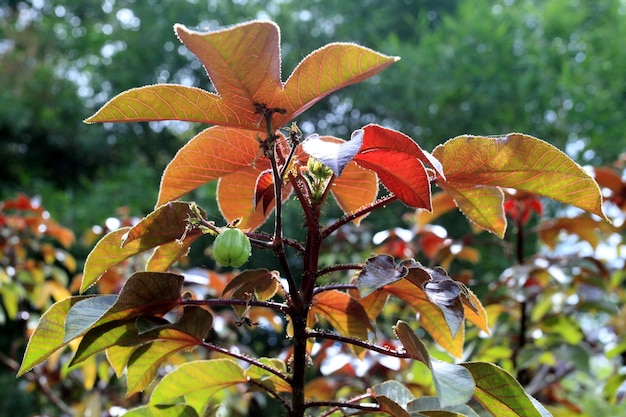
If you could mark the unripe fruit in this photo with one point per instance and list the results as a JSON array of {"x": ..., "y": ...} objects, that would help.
[{"x": 231, "y": 247}]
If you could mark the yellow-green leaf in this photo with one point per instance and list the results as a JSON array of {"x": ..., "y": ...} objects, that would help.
[{"x": 476, "y": 166}]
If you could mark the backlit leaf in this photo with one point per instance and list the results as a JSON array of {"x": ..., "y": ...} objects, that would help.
[
  {"x": 165, "y": 224},
  {"x": 268, "y": 379},
  {"x": 397, "y": 161},
  {"x": 243, "y": 63},
  {"x": 500, "y": 393},
  {"x": 165, "y": 410},
  {"x": 343, "y": 312},
  {"x": 264, "y": 190},
  {"x": 442, "y": 203},
  {"x": 107, "y": 253},
  {"x": 260, "y": 283},
  {"x": 48, "y": 336},
  {"x": 325, "y": 70},
  {"x": 513, "y": 161},
  {"x": 356, "y": 188},
  {"x": 243, "y": 82},
  {"x": 165, "y": 102},
  {"x": 586, "y": 228},
  {"x": 211, "y": 154},
  {"x": 149, "y": 293},
  {"x": 198, "y": 377},
  {"x": 235, "y": 196}
]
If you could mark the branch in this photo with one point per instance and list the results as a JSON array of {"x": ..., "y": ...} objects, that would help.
[
  {"x": 272, "y": 393},
  {"x": 215, "y": 302},
  {"x": 367, "y": 209},
  {"x": 361, "y": 343},
  {"x": 337, "y": 405},
  {"x": 42, "y": 383},
  {"x": 247, "y": 359},
  {"x": 338, "y": 267},
  {"x": 331, "y": 287}
]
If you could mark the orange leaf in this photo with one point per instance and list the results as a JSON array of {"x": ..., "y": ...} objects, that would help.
[
  {"x": 235, "y": 196},
  {"x": 244, "y": 65},
  {"x": 357, "y": 187},
  {"x": 431, "y": 317},
  {"x": 343, "y": 312},
  {"x": 213, "y": 153},
  {"x": 585, "y": 228},
  {"x": 476, "y": 167},
  {"x": 442, "y": 203}
]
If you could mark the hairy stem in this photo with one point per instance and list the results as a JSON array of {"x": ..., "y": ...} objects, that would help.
[
  {"x": 352, "y": 216},
  {"x": 251, "y": 361},
  {"x": 361, "y": 343}
]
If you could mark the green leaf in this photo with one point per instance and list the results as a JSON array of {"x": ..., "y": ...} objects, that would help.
[
  {"x": 476, "y": 167},
  {"x": 393, "y": 398},
  {"x": 166, "y": 224},
  {"x": 204, "y": 378},
  {"x": 430, "y": 406},
  {"x": 501, "y": 394},
  {"x": 267, "y": 378},
  {"x": 96, "y": 340},
  {"x": 166, "y": 410},
  {"x": 48, "y": 335},
  {"x": 427, "y": 405},
  {"x": 148, "y": 293},
  {"x": 454, "y": 384},
  {"x": 195, "y": 322}
]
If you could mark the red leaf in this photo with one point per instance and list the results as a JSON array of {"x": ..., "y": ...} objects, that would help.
[
  {"x": 264, "y": 190},
  {"x": 398, "y": 162}
]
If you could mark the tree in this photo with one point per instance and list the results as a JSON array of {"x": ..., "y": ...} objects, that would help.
[{"x": 259, "y": 157}]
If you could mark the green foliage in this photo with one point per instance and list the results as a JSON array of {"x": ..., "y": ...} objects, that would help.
[{"x": 158, "y": 319}]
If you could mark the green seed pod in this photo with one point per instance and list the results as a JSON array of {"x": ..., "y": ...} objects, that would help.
[{"x": 231, "y": 247}]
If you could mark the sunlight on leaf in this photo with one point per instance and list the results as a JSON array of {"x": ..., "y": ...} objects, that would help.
[
  {"x": 500, "y": 393},
  {"x": 397, "y": 161},
  {"x": 166, "y": 410},
  {"x": 268, "y": 379},
  {"x": 393, "y": 397},
  {"x": 202, "y": 377},
  {"x": 343, "y": 312},
  {"x": 356, "y": 188},
  {"x": 515, "y": 161},
  {"x": 49, "y": 334},
  {"x": 211, "y": 154},
  {"x": 151, "y": 293}
]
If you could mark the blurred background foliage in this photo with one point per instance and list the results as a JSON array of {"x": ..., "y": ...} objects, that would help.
[{"x": 550, "y": 68}]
